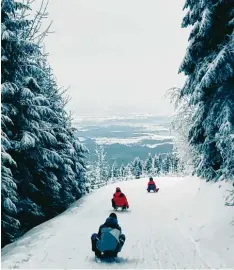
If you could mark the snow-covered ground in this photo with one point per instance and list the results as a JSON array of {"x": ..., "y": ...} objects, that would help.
[{"x": 185, "y": 225}]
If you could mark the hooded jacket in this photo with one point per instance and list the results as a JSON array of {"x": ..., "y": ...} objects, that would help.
[
  {"x": 120, "y": 199},
  {"x": 108, "y": 235}
]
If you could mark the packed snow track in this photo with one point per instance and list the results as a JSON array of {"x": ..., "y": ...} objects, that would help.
[{"x": 184, "y": 225}]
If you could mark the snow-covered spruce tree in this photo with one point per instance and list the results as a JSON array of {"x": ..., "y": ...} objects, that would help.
[
  {"x": 9, "y": 197},
  {"x": 149, "y": 165},
  {"x": 157, "y": 165},
  {"x": 91, "y": 175},
  {"x": 98, "y": 172},
  {"x": 171, "y": 164},
  {"x": 114, "y": 171},
  {"x": 174, "y": 164},
  {"x": 181, "y": 125},
  {"x": 68, "y": 146},
  {"x": 89, "y": 178},
  {"x": 137, "y": 167},
  {"x": 9, "y": 221},
  {"x": 122, "y": 172},
  {"x": 11, "y": 52},
  {"x": 209, "y": 64},
  {"x": 165, "y": 165},
  {"x": 128, "y": 172},
  {"x": 42, "y": 159},
  {"x": 101, "y": 166}
]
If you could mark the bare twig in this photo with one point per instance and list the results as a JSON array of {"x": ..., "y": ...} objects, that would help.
[
  {"x": 41, "y": 36},
  {"x": 33, "y": 32},
  {"x": 35, "y": 19}
]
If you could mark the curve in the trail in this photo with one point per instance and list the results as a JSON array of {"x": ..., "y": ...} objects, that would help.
[{"x": 157, "y": 227}]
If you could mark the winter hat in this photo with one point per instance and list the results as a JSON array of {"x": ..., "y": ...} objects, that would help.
[
  {"x": 113, "y": 215},
  {"x": 151, "y": 179},
  {"x": 118, "y": 189}
]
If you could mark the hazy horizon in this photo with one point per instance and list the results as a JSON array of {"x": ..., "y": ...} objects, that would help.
[{"x": 117, "y": 57}]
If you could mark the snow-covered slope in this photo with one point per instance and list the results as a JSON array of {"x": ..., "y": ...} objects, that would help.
[{"x": 185, "y": 225}]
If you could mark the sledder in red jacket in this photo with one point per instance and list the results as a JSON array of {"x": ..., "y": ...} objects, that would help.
[
  {"x": 119, "y": 200},
  {"x": 152, "y": 185}
]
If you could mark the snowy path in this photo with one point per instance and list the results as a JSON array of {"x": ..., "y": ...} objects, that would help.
[{"x": 179, "y": 227}]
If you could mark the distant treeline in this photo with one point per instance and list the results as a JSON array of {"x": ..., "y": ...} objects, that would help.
[
  {"x": 124, "y": 154},
  {"x": 100, "y": 173}
]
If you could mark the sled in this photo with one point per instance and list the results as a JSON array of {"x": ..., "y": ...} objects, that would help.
[
  {"x": 154, "y": 190},
  {"x": 123, "y": 208},
  {"x": 107, "y": 259}
]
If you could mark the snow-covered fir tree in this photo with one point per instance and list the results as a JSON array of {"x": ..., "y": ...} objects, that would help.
[
  {"x": 90, "y": 178},
  {"x": 209, "y": 64},
  {"x": 128, "y": 172},
  {"x": 101, "y": 166},
  {"x": 174, "y": 166},
  {"x": 43, "y": 162},
  {"x": 122, "y": 171},
  {"x": 10, "y": 197},
  {"x": 149, "y": 165},
  {"x": 157, "y": 165},
  {"x": 165, "y": 165},
  {"x": 137, "y": 167},
  {"x": 114, "y": 171},
  {"x": 181, "y": 125},
  {"x": 9, "y": 200}
]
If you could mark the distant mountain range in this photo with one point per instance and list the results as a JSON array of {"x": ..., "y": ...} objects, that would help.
[{"x": 125, "y": 137}]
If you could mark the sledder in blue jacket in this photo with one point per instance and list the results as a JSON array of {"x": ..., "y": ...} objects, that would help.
[{"x": 109, "y": 240}]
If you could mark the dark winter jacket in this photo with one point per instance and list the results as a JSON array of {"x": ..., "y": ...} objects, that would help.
[
  {"x": 108, "y": 235},
  {"x": 111, "y": 223},
  {"x": 151, "y": 185}
]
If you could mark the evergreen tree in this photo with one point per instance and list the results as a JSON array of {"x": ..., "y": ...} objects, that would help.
[
  {"x": 165, "y": 165},
  {"x": 90, "y": 178},
  {"x": 181, "y": 125},
  {"x": 137, "y": 167},
  {"x": 114, "y": 171},
  {"x": 122, "y": 171},
  {"x": 12, "y": 48},
  {"x": 149, "y": 165},
  {"x": 157, "y": 165},
  {"x": 9, "y": 220},
  {"x": 208, "y": 64},
  {"x": 44, "y": 163},
  {"x": 160, "y": 163},
  {"x": 173, "y": 164},
  {"x": 101, "y": 167},
  {"x": 128, "y": 171}
]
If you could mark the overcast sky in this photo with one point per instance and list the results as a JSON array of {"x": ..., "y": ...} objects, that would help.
[{"x": 117, "y": 56}]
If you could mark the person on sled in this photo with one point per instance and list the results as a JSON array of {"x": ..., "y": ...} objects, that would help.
[
  {"x": 152, "y": 185},
  {"x": 109, "y": 240},
  {"x": 119, "y": 200}
]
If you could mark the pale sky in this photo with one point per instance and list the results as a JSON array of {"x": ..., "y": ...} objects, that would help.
[{"x": 117, "y": 56}]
